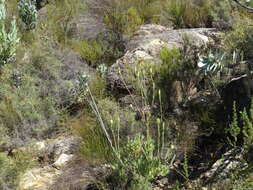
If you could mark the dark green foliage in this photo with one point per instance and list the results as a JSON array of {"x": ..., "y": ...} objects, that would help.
[{"x": 28, "y": 13}]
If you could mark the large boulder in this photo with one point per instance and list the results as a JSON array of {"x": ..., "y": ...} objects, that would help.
[
  {"x": 144, "y": 48},
  {"x": 173, "y": 38}
]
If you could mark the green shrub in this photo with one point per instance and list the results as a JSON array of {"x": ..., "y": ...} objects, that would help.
[
  {"x": 12, "y": 168},
  {"x": 188, "y": 13},
  {"x": 59, "y": 20},
  {"x": 123, "y": 21},
  {"x": 170, "y": 61},
  {"x": 198, "y": 13},
  {"x": 240, "y": 38},
  {"x": 8, "y": 40},
  {"x": 28, "y": 13},
  {"x": 234, "y": 129},
  {"x": 123, "y": 17},
  {"x": 91, "y": 51},
  {"x": 241, "y": 124},
  {"x": 223, "y": 13},
  {"x": 94, "y": 146},
  {"x": 140, "y": 163},
  {"x": 167, "y": 72},
  {"x": 247, "y": 127},
  {"x": 28, "y": 103},
  {"x": 135, "y": 157}
]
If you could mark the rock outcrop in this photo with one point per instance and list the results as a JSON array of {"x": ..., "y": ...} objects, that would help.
[
  {"x": 222, "y": 168},
  {"x": 54, "y": 156},
  {"x": 144, "y": 48}
]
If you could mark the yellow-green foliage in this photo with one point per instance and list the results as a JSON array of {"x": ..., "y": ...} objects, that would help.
[
  {"x": 11, "y": 168},
  {"x": 60, "y": 16},
  {"x": 170, "y": 60},
  {"x": 118, "y": 121},
  {"x": 241, "y": 38},
  {"x": 247, "y": 128},
  {"x": 94, "y": 145},
  {"x": 123, "y": 21},
  {"x": 91, "y": 51},
  {"x": 234, "y": 129},
  {"x": 149, "y": 10},
  {"x": 140, "y": 159},
  {"x": 188, "y": 13},
  {"x": 98, "y": 87},
  {"x": 167, "y": 71},
  {"x": 125, "y": 16}
]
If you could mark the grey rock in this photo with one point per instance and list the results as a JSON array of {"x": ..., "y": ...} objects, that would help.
[
  {"x": 173, "y": 37},
  {"x": 66, "y": 145},
  {"x": 145, "y": 47},
  {"x": 222, "y": 168}
]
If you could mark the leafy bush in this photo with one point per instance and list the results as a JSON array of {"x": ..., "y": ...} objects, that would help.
[
  {"x": 198, "y": 13},
  {"x": 28, "y": 13},
  {"x": 94, "y": 146},
  {"x": 241, "y": 124},
  {"x": 123, "y": 22},
  {"x": 241, "y": 38},
  {"x": 223, "y": 13},
  {"x": 142, "y": 157},
  {"x": 139, "y": 162},
  {"x": 8, "y": 40},
  {"x": 12, "y": 168},
  {"x": 105, "y": 49},
  {"x": 91, "y": 51},
  {"x": 176, "y": 66},
  {"x": 123, "y": 17},
  {"x": 188, "y": 13},
  {"x": 247, "y": 127},
  {"x": 59, "y": 22}
]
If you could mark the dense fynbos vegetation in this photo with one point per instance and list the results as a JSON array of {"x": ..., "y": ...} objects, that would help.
[{"x": 159, "y": 92}]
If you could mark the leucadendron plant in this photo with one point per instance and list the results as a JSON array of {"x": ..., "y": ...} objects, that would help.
[
  {"x": 8, "y": 39},
  {"x": 28, "y": 13}
]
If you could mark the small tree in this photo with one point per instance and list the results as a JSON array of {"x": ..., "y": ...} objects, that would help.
[{"x": 8, "y": 40}]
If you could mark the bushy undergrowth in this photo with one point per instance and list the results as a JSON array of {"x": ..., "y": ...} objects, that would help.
[
  {"x": 136, "y": 153},
  {"x": 28, "y": 105},
  {"x": 240, "y": 38},
  {"x": 136, "y": 139},
  {"x": 12, "y": 167},
  {"x": 178, "y": 66},
  {"x": 60, "y": 17},
  {"x": 188, "y": 13},
  {"x": 125, "y": 16},
  {"x": 90, "y": 51}
]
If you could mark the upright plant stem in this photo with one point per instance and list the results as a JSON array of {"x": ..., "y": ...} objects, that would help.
[{"x": 102, "y": 125}]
